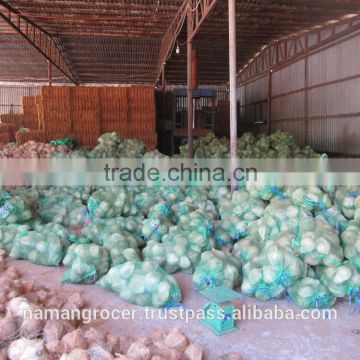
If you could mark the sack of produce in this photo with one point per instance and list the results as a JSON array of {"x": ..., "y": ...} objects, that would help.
[
  {"x": 8, "y": 234},
  {"x": 310, "y": 293},
  {"x": 269, "y": 275},
  {"x": 347, "y": 199},
  {"x": 281, "y": 215},
  {"x": 112, "y": 145},
  {"x": 60, "y": 231},
  {"x": 251, "y": 209},
  {"x": 342, "y": 280},
  {"x": 247, "y": 249},
  {"x": 16, "y": 209},
  {"x": 107, "y": 203},
  {"x": 63, "y": 208},
  {"x": 221, "y": 237},
  {"x": 217, "y": 193},
  {"x": 100, "y": 229},
  {"x": 334, "y": 217},
  {"x": 309, "y": 197},
  {"x": 161, "y": 210},
  {"x": 116, "y": 244},
  {"x": 142, "y": 283},
  {"x": 145, "y": 199},
  {"x": 350, "y": 241},
  {"x": 217, "y": 268},
  {"x": 198, "y": 237},
  {"x": 40, "y": 248},
  {"x": 265, "y": 192},
  {"x": 86, "y": 263},
  {"x": 155, "y": 229},
  {"x": 176, "y": 252},
  {"x": 317, "y": 243}
]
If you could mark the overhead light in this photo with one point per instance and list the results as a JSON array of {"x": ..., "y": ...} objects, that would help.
[{"x": 177, "y": 48}]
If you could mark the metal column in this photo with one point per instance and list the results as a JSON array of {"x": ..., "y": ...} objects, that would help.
[
  {"x": 189, "y": 85},
  {"x": 232, "y": 83}
]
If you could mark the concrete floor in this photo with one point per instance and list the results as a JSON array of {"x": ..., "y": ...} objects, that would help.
[{"x": 255, "y": 339}]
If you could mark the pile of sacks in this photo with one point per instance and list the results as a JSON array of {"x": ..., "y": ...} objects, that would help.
[{"x": 276, "y": 145}]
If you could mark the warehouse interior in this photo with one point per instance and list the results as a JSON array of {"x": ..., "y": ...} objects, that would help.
[{"x": 180, "y": 79}]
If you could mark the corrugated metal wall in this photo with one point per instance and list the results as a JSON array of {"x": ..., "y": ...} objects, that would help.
[
  {"x": 316, "y": 98},
  {"x": 11, "y": 97}
]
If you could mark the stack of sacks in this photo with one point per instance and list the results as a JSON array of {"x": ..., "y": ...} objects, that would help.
[{"x": 142, "y": 109}]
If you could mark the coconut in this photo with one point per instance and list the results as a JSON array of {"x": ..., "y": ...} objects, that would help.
[
  {"x": 74, "y": 339},
  {"x": 77, "y": 354},
  {"x": 24, "y": 349},
  {"x": 9, "y": 329}
]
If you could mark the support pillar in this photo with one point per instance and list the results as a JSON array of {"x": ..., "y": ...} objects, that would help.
[
  {"x": 232, "y": 85},
  {"x": 189, "y": 85}
]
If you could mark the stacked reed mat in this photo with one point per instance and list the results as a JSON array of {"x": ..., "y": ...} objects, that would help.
[
  {"x": 143, "y": 115},
  {"x": 30, "y": 110},
  {"x": 115, "y": 110},
  {"x": 85, "y": 113}
]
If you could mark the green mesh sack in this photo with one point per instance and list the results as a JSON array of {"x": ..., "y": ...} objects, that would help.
[
  {"x": 334, "y": 217},
  {"x": 63, "y": 208},
  {"x": 107, "y": 203},
  {"x": 317, "y": 243},
  {"x": 145, "y": 200},
  {"x": 217, "y": 268},
  {"x": 247, "y": 249},
  {"x": 265, "y": 192},
  {"x": 39, "y": 248},
  {"x": 342, "y": 280},
  {"x": 347, "y": 199},
  {"x": 155, "y": 229},
  {"x": 116, "y": 244},
  {"x": 8, "y": 234},
  {"x": 60, "y": 231},
  {"x": 16, "y": 209},
  {"x": 171, "y": 194},
  {"x": 174, "y": 254},
  {"x": 309, "y": 197},
  {"x": 199, "y": 238},
  {"x": 310, "y": 293},
  {"x": 86, "y": 263},
  {"x": 142, "y": 283},
  {"x": 161, "y": 210},
  {"x": 68, "y": 141},
  {"x": 350, "y": 241},
  {"x": 218, "y": 193},
  {"x": 221, "y": 237},
  {"x": 182, "y": 208},
  {"x": 269, "y": 275},
  {"x": 281, "y": 215},
  {"x": 98, "y": 230}
]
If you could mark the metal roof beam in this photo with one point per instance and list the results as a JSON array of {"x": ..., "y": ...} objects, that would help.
[
  {"x": 170, "y": 36},
  {"x": 38, "y": 38},
  {"x": 199, "y": 14}
]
